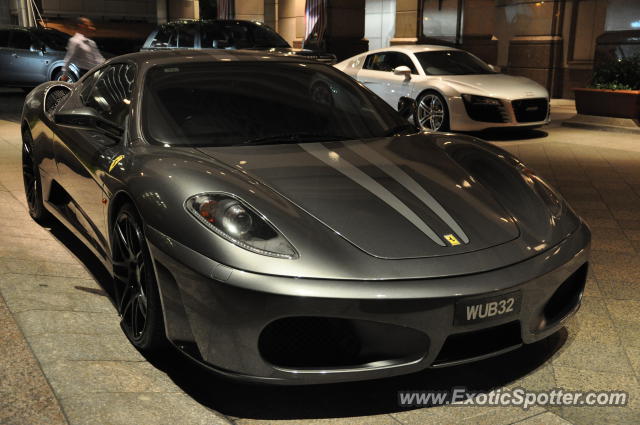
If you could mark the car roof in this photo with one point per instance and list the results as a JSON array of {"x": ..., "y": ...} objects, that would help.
[
  {"x": 32, "y": 29},
  {"x": 180, "y": 22},
  {"x": 14, "y": 27},
  {"x": 413, "y": 48},
  {"x": 181, "y": 56}
]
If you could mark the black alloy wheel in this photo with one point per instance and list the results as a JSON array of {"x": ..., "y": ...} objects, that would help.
[
  {"x": 136, "y": 293},
  {"x": 60, "y": 76},
  {"x": 32, "y": 182}
]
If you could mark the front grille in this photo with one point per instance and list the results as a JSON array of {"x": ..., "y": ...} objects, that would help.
[
  {"x": 469, "y": 345},
  {"x": 530, "y": 110},
  {"x": 486, "y": 113},
  {"x": 324, "y": 342}
]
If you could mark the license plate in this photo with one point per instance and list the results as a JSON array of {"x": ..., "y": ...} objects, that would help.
[{"x": 489, "y": 308}]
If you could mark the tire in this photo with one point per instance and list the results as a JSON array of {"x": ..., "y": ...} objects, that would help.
[
  {"x": 58, "y": 74},
  {"x": 32, "y": 181},
  {"x": 432, "y": 113},
  {"x": 136, "y": 291}
]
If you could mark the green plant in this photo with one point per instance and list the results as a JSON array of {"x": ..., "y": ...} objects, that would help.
[{"x": 618, "y": 74}]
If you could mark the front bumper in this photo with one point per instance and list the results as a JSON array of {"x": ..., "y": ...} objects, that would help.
[
  {"x": 461, "y": 121},
  {"x": 218, "y": 315}
]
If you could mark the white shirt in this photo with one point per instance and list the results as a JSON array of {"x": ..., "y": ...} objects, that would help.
[{"x": 82, "y": 52}]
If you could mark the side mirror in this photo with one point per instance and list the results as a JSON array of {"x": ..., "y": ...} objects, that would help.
[
  {"x": 407, "y": 107},
  {"x": 220, "y": 44},
  {"x": 403, "y": 70},
  {"x": 87, "y": 118},
  {"x": 39, "y": 49}
]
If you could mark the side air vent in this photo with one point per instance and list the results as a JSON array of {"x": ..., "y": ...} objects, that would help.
[{"x": 54, "y": 96}]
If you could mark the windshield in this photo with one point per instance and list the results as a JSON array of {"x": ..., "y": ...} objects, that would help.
[
  {"x": 264, "y": 36},
  {"x": 53, "y": 39},
  {"x": 452, "y": 62},
  {"x": 240, "y": 35},
  {"x": 237, "y": 103}
]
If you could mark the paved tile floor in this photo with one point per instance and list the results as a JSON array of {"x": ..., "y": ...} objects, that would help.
[{"x": 63, "y": 358}]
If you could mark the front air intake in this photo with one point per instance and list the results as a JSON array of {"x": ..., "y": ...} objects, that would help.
[
  {"x": 54, "y": 96},
  {"x": 330, "y": 343}
]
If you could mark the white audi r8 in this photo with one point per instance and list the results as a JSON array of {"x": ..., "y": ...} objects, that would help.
[{"x": 453, "y": 89}]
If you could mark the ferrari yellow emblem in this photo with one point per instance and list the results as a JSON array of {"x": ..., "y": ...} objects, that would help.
[
  {"x": 452, "y": 240},
  {"x": 115, "y": 161}
]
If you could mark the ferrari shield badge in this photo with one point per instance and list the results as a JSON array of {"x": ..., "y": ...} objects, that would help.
[{"x": 453, "y": 241}]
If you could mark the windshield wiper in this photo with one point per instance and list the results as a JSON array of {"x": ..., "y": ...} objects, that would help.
[
  {"x": 400, "y": 128},
  {"x": 295, "y": 138}
]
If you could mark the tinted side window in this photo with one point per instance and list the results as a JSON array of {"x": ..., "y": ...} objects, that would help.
[
  {"x": 165, "y": 37},
  {"x": 388, "y": 61},
  {"x": 187, "y": 37},
  {"x": 4, "y": 38},
  {"x": 20, "y": 40},
  {"x": 111, "y": 94},
  {"x": 378, "y": 62},
  {"x": 404, "y": 60},
  {"x": 87, "y": 85},
  {"x": 240, "y": 36},
  {"x": 213, "y": 36}
]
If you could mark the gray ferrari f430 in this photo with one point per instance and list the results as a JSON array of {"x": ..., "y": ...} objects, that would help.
[{"x": 278, "y": 222}]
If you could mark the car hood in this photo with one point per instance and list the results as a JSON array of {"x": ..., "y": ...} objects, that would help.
[
  {"x": 496, "y": 85},
  {"x": 393, "y": 198}
]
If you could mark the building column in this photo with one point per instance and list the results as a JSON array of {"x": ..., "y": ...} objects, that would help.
[
  {"x": 344, "y": 35},
  {"x": 407, "y": 15},
  {"x": 183, "y": 9},
  {"x": 5, "y": 12},
  {"x": 250, "y": 10},
  {"x": 532, "y": 38},
  {"x": 478, "y": 31},
  {"x": 584, "y": 23},
  {"x": 291, "y": 21},
  {"x": 25, "y": 14},
  {"x": 161, "y": 11},
  {"x": 271, "y": 13}
]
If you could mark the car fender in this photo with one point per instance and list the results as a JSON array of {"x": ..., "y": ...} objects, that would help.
[
  {"x": 59, "y": 64},
  {"x": 438, "y": 85}
]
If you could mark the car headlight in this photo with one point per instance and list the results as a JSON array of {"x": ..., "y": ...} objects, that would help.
[
  {"x": 471, "y": 99},
  {"x": 236, "y": 222}
]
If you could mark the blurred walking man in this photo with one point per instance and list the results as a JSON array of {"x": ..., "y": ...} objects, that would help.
[{"x": 82, "y": 51}]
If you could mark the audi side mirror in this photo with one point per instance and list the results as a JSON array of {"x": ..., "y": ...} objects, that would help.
[{"x": 403, "y": 70}]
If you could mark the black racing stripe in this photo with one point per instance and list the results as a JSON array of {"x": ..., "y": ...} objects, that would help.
[{"x": 400, "y": 191}]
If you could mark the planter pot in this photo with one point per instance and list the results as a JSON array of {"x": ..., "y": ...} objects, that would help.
[{"x": 608, "y": 103}]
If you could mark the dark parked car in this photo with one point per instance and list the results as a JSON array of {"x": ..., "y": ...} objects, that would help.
[
  {"x": 31, "y": 56},
  {"x": 226, "y": 34},
  {"x": 278, "y": 222}
]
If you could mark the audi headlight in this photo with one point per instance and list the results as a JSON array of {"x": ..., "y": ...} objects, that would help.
[
  {"x": 236, "y": 222},
  {"x": 471, "y": 99}
]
